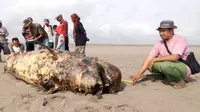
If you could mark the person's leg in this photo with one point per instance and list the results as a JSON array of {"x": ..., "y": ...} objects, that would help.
[
  {"x": 66, "y": 43},
  {"x": 77, "y": 49},
  {"x": 28, "y": 46},
  {"x": 46, "y": 42},
  {"x": 6, "y": 49},
  {"x": 63, "y": 47},
  {"x": 50, "y": 44},
  {"x": 82, "y": 50},
  {"x": 175, "y": 72},
  {"x": 31, "y": 47},
  {"x": 0, "y": 51},
  {"x": 37, "y": 47},
  {"x": 66, "y": 46}
]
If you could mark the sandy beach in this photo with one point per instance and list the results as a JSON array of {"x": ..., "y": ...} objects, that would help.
[{"x": 146, "y": 96}]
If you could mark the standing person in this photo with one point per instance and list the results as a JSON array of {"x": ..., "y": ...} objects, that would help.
[
  {"x": 3, "y": 41},
  {"x": 79, "y": 35},
  {"x": 37, "y": 32},
  {"x": 64, "y": 30},
  {"x": 56, "y": 35},
  {"x": 27, "y": 36},
  {"x": 48, "y": 28},
  {"x": 60, "y": 38},
  {"x": 160, "y": 61}
]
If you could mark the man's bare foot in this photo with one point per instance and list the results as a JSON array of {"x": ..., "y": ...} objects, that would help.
[{"x": 179, "y": 85}]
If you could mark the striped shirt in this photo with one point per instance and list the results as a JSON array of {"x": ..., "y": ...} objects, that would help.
[{"x": 3, "y": 34}]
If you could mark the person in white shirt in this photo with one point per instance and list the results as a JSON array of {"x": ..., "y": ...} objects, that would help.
[
  {"x": 55, "y": 36},
  {"x": 15, "y": 47},
  {"x": 48, "y": 28}
]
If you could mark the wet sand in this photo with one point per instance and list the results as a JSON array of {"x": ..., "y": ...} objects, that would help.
[{"x": 146, "y": 96}]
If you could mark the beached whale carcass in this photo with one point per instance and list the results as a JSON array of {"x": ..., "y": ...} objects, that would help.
[{"x": 62, "y": 70}]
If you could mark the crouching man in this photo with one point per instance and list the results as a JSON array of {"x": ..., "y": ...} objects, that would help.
[
  {"x": 166, "y": 62},
  {"x": 16, "y": 47}
]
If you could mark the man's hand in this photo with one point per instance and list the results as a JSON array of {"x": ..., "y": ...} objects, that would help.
[
  {"x": 12, "y": 54},
  {"x": 135, "y": 78},
  {"x": 87, "y": 39},
  {"x": 151, "y": 64}
]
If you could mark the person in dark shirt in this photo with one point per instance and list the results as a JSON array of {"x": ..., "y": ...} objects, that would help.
[
  {"x": 79, "y": 35},
  {"x": 26, "y": 34}
]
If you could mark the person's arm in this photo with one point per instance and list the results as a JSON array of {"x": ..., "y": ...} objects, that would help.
[
  {"x": 22, "y": 48},
  {"x": 52, "y": 33},
  {"x": 41, "y": 32},
  {"x": 74, "y": 34},
  {"x": 24, "y": 32},
  {"x": 66, "y": 28},
  {"x": 10, "y": 46},
  {"x": 56, "y": 40},
  {"x": 143, "y": 68},
  {"x": 153, "y": 54},
  {"x": 172, "y": 57},
  {"x": 83, "y": 30},
  {"x": 6, "y": 32}
]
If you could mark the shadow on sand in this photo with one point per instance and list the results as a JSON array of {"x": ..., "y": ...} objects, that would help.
[
  {"x": 122, "y": 86},
  {"x": 162, "y": 78}
]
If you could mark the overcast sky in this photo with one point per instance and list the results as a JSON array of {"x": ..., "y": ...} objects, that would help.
[{"x": 109, "y": 21}]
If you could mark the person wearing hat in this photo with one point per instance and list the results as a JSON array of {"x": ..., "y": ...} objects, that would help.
[
  {"x": 63, "y": 31},
  {"x": 3, "y": 41},
  {"x": 164, "y": 63},
  {"x": 37, "y": 33},
  {"x": 27, "y": 35}
]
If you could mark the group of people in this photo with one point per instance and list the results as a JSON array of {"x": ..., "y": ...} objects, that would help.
[
  {"x": 55, "y": 37},
  {"x": 164, "y": 58}
]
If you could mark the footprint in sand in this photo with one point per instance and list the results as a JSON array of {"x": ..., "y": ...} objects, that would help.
[
  {"x": 55, "y": 102},
  {"x": 2, "y": 108},
  {"x": 124, "y": 108},
  {"x": 86, "y": 109}
]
